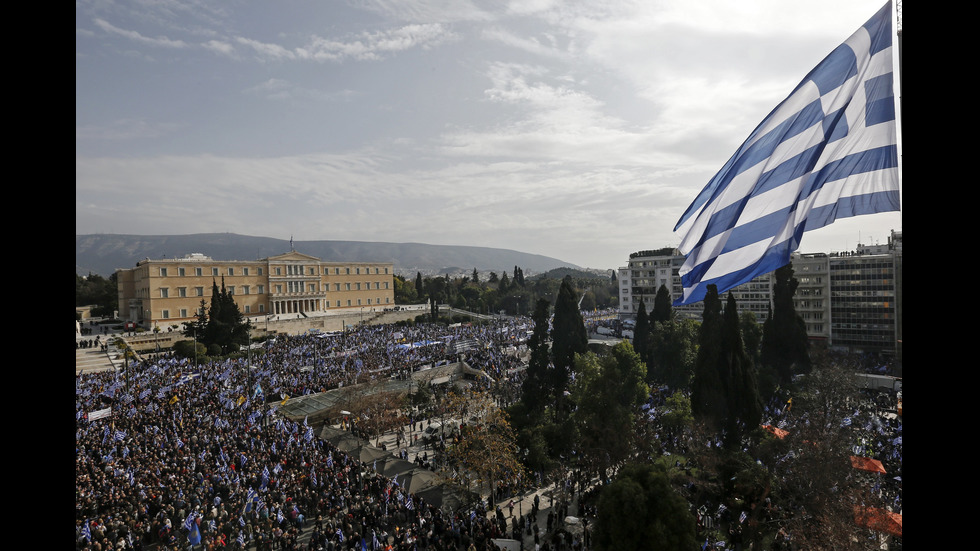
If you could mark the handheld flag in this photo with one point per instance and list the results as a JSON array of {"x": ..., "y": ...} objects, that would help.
[{"x": 828, "y": 151}]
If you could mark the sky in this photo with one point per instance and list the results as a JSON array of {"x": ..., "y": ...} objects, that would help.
[{"x": 579, "y": 130}]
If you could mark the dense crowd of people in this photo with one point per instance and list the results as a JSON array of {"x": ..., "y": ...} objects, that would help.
[
  {"x": 169, "y": 454},
  {"x": 172, "y": 455}
]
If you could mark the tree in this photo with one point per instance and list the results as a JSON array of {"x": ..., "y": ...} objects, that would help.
[
  {"x": 819, "y": 488},
  {"x": 642, "y": 333},
  {"x": 537, "y": 391},
  {"x": 673, "y": 350},
  {"x": 608, "y": 391},
  {"x": 489, "y": 447},
  {"x": 784, "y": 338},
  {"x": 222, "y": 326},
  {"x": 476, "y": 276},
  {"x": 662, "y": 309},
  {"x": 640, "y": 511},
  {"x": 745, "y": 406},
  {"x": 707, "y": 390},
  {"x": 568, "y": 338},
  {"x": 405, "y": 292},
  {"x": 504, "y": 284},
  {"x": 725, "y": 393},
  {"x": 419, "y": 285},
  {"x": 96, "y": 290}
]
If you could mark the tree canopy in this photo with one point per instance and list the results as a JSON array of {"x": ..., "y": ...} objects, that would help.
[
  {"x": 608, "y": 391},
  {"x": 222, "y": 325},
  {"x": 640, "y": 510},
  {"x": 725, "y": 391},
  {"x": 784, "y": 339}
]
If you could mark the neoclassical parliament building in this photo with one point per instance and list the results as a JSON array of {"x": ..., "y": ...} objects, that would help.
[{"x": 167, "y": 292}]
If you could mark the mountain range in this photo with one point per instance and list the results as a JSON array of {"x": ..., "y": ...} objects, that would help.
[{"x": 102, "y": 254}]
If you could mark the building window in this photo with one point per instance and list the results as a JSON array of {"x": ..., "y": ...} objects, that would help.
[
  {"x": 180, "y": 272},
  {"x": 245, "y": 289},
  {"x": 231, "y": 290},
  {"x": 183, "y": 312},
  {"x": 358, "y": 286},
  {"x": 278, "y": 271},
  {"x": 348, "y": 288},
  {"x": 348, "y": 302},
  {"x": 231, "y": 271},
  {"x": 182, "y": 291},
  {"x": 369, "y": 302},
  {"x": 198, "y": 272},
  {"x": 260, "y": 271},
  {"x": 261, "y": 289},
  {"x": 261, "y": 308},
  {"x": 199, "y": 291},
  {"x": 164, "y": 293},
  {"x": 163, "y": 272},
  {"x": 244, "y": 271},
  {"x": 248, "y": 309},
  {"x": 348, "y": 271},
  {"x": 165, "y": 314},
  {"x": 278, "y": 289},
  {"x": 312, "y": 287},
  {"x": 214, "y": 271}
]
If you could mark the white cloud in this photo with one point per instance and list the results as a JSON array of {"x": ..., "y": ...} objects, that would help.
[{"x": 162, "y": 41}]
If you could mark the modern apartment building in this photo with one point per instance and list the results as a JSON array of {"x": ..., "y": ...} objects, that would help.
[
  {"x": 849, "y": 301},
  {"x": 647, "y": 271},
  {"x": 170, "y": 291}
]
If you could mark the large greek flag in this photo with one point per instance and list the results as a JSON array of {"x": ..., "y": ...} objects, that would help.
[{"x": 828, "y": 151}]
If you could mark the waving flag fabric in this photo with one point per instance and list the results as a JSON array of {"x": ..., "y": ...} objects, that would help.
[{"x": 828, "y": 151}]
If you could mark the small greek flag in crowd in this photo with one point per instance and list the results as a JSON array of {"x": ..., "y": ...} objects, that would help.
[{"x": 828, "y": 151}]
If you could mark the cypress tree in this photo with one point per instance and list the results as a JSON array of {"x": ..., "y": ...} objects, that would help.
[
  {"x": 707, "y": 391},
  {"x": 536, "y": 392},
  {"x": 744, "y": 404},
  {"x": 568, "y": 337},
  {"x": 785, "y": 345},
  {"x": 662, "y": 309},
  {"x": 641, "y": 335}
]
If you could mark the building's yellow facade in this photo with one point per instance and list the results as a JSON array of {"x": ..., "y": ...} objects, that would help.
[{"x": 164, "y": 293}]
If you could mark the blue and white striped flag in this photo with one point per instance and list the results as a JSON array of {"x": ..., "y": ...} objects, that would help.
[{"x": 828, "y": 151}]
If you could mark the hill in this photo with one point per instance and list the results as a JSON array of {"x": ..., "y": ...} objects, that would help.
[{"x": 103, "y": 253}]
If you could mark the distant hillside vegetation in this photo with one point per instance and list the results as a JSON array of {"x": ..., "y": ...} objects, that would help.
[{"x": 560, "y": 273}]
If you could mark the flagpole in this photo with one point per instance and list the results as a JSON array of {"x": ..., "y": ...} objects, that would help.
[{"x": 897, "y": 67}]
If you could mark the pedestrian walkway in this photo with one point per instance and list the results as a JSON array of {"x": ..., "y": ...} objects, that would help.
[{"x": 93, "y": 359}]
